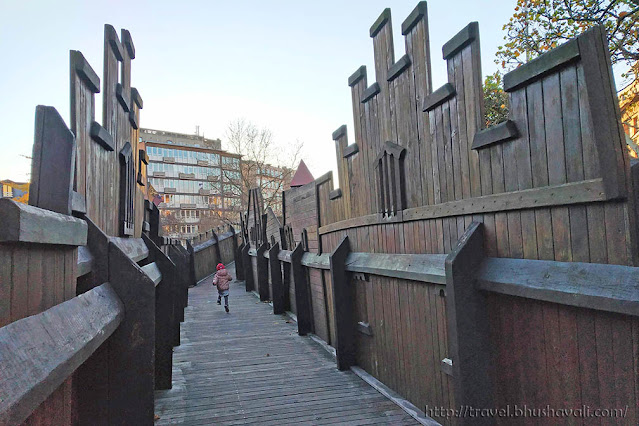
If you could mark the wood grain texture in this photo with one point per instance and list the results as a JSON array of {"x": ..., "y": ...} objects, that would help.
[{"x": 63, "y": 337}]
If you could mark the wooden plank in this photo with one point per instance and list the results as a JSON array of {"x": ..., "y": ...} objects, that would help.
[
  {"x": 134, "y": 248},
  {"x": 28, "y": 224},
  {"x": 153, "y": 272},
  {"x": 35, "y": 282},
  {"x": 542, "y": 65},
  {"x": 438, "y": 97},
  {"x": 424, "y": 268},
  {"x": 610, "y": 288},
  {"x": 496, "y": 134},
  {"x": 64, "y": 336},
  {"x": 53, "y": 165},
  {"x": 5, "y": 284}
]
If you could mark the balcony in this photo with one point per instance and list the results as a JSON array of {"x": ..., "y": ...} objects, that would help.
[
  {"x": 169, "y": 159},
  {"x": 159, "y": 174},
  {"x": 169, "y": 190},
  {"x": 188, "y": 206},
  {"x": 213, "y": 178},
  {"x": 186, "y": 175},
  {"x": 202, "y": 163},
  {"x": 205, "y": 192}
]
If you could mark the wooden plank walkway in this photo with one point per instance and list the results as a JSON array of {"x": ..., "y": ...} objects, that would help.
[{"x": 250, "y": 367}]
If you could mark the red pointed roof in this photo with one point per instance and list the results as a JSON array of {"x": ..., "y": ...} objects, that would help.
[{"x": 302, "y": 176}]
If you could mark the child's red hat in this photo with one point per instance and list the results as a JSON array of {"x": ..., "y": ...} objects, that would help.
[{"x": 220, "y": 266}]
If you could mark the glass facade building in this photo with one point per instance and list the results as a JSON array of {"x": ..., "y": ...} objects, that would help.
[{"x": 198, "y": 184}]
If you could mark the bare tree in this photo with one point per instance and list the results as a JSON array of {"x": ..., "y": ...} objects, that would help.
[{"x": 265, "y": 164}]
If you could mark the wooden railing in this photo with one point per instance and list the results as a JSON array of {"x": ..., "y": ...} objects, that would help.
[{"x": 91, "y": 296}]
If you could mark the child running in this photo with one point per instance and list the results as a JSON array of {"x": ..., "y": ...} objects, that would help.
[{"x": 221, "y": 280}]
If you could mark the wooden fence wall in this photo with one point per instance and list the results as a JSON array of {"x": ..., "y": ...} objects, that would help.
[
  {"x": 219, "y": 248},
  {"x": 90, "y": 296},
  {"x": 479, "y": 267}
]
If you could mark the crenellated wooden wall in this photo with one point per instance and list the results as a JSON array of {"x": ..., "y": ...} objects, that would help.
[{"x": 552, "y": 183}]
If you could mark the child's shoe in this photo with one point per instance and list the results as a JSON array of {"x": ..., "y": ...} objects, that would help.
[{"x": 226, "y": 308}]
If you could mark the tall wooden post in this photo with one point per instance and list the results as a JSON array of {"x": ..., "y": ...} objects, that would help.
[
  {"x": 302, "y": 296},
  {"x": 343, "y": 296},
  {"x": 468, "y": 323},
  {"x": 248, "y": 268},
  {"x": 165, "y": 321},
  {"x": 262, "y": 273},
  {"x": 276, "y": 280}
]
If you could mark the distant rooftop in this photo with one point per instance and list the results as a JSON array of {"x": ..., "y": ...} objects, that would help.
[
  {"x": 302, "y": 176},
  {"x": 179, "y": 139}
]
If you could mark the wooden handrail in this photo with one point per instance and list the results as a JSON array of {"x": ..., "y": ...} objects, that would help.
[{"x": 38, "y": 353}]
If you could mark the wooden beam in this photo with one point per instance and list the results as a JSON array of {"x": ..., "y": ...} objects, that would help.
[
  {"x": 84, "y": 71},
  {"x": 302, "y": 292},
  {"x": 351, "y": 149},
  {"x": 499, "y": 133},
  {"x": 53, "y": 164},
  {"x": 341, "y": 131},
  {"x": 85, "y": 261},
  {"x": 379, "y": 23},
  {"x": 468, "y": 337},
  {"x": 557, "y": 195},
  {"x": 22, "y": 223},
  {"x": 153, "y": 272},
  {"x": 41, "y": 351},
  {"x": 460, "y": 40},
  {"x": 438, "y": 97},
  {"x": 318, "y": 261},
  {"x": 542, "y": 65},
  {"x": 371, "y": 91},
  {"x": 134, "y": 248},
  {"x": 420, "y": 11},
  {"x": 357, "y": 76},
  {"x": 398, "y": 67},
  {"x": 427, "y": 268},
  {"x": 343, "y": 306},
  {"x": 610, "y": 288}
]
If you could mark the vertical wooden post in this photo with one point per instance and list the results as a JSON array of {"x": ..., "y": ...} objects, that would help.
[
  {"x": 164, "y": 316},
  {"x": 302, "y": 296},
  {"x": 248, "y": 268},
  {"x": 218, "y": 253},
  {"x": 286, "y": 272},
  {"x": 182, "y": 286},
  {"x": 468, "y": 323},
  {"x": 191, "y": 263},
  {"x": 234, "y": 244},
  {"x": 239, "y": 262},
  {"x": 262, "y": 272},
  {"x": 132, "y": 345},
  {"x": 279, "y": 306},
  {"x": 343, "y": 296}
]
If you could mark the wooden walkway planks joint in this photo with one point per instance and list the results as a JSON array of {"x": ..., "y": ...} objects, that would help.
[{"x": 250, "y": 367}]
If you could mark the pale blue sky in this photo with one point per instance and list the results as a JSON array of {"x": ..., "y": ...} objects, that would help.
[{"x": 281, "y": 64}]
